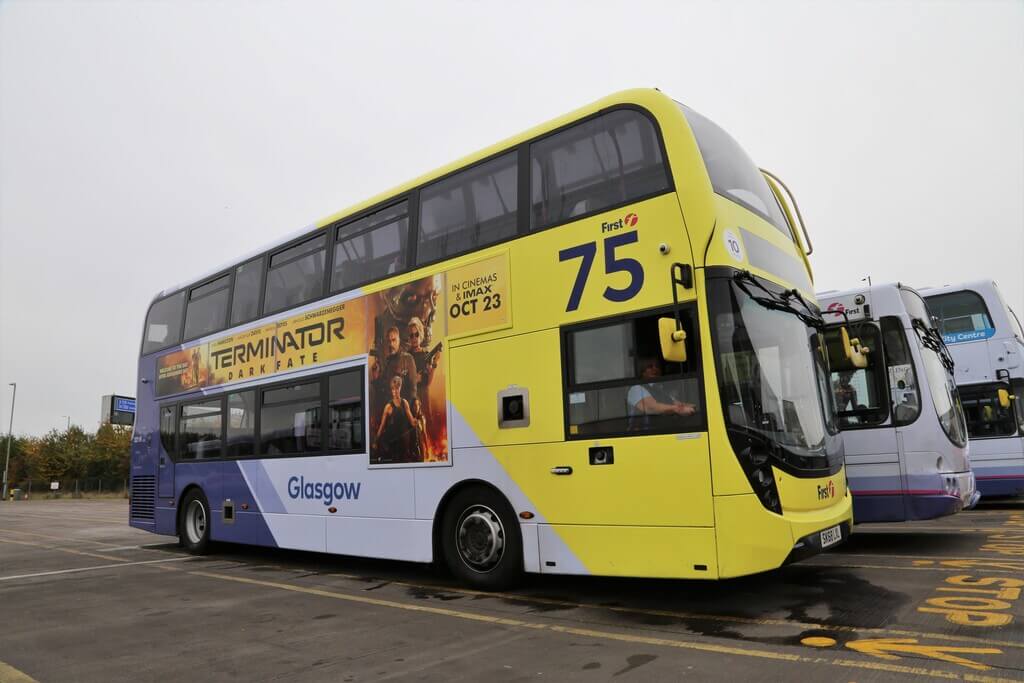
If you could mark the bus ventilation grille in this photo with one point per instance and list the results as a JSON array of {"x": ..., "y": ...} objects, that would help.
[{"x": 143, "y": 497}]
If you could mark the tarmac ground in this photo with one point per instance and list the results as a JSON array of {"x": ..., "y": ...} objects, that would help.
[{"x": 85, "y": 597}]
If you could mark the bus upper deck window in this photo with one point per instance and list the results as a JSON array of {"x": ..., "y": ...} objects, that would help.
[
  {"x": 594, "y": 165},
  {"x": 296, "y": 275},
  {"x": 163, "y": 325}
]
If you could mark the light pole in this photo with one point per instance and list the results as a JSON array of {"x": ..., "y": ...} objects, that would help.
[{"x": 10, "y": 435}]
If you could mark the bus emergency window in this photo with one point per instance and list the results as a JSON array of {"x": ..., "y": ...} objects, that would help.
[
  {"x": 985, "y": 417},
  {"x": 371, "y": 248},
  {"x": 470, "y": 210},
  {"x": 245, "y": 302},
  {"x": 906, "y": 399},
  {"x": 960, "y": 312},
  {"x": 167, "y": 429},
  {"x": 733, "y": 174},
  {"x": 200, "y": 426},
  {"x": 207, "y": 309},
  {"x": 595, "y": 165},
  {"x": 859, "y": 392},
  {"x": 296, "y": 275},
  {"x": 618, "y": 383},
  {"x": 345, "y": 412},
  {"x": 241, "y": 425},
  {"x": 290, "y": 419},
  {"x": 163, "y": 324}
]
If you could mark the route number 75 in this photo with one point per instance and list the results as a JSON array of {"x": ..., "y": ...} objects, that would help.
[{"x": 588, "y": 251}]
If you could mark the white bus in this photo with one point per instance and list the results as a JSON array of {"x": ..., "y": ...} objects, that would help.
[
  {"x": 985, "y": 338},
  {"x": 903, "y": 426}
]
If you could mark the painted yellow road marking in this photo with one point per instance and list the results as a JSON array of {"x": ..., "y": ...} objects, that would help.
[
  {"x": 8, "y": 674},
  {"x": 605, "y": 635},
  {"x": 885, "y": 647},
  {"x": 818, "y": 641}
]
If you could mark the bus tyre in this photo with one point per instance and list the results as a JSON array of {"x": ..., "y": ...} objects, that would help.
[
  {"x": 194, "y": 523},
  {"x": 482, "y": 543}
]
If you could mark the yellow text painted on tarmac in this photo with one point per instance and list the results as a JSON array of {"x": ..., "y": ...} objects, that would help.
[
  {"x": 984, "y": 601},
  {"x": 892, "y": 648}
]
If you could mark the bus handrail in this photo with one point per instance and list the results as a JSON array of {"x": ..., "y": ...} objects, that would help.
[{"x": 796, "y": 207}]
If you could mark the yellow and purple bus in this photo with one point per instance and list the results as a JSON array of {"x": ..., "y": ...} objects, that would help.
[{"x": 592, "y": 348}]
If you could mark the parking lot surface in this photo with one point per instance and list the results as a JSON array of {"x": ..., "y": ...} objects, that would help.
[{"x": 84, "y": 597}]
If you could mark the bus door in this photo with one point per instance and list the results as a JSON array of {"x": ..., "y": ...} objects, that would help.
[
  {"x": 860, "y": 387},
  {"x": 164, "y": 462}
]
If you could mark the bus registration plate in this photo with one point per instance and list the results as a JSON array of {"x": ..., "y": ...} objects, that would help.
[{"x": 831, "y": 536}]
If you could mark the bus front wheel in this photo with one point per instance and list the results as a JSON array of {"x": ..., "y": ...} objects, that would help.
[
  {"x": 482, "y": 543},
  {"x": 194, "y": 523}
]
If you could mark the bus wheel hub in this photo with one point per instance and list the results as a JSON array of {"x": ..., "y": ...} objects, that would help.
[{"x": 480, "y": 538}]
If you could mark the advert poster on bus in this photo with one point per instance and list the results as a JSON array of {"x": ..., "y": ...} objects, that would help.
[
  {"x": 401, "y": 329},
  {"x": 408, "y": 421}
]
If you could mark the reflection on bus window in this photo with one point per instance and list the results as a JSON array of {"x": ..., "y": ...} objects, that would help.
[
  {"x": 200, "y": 430},
  {"x": 906, "y": 401},
  {"x": 241, "y": 424},
  {"x": 290, "y": 419}
]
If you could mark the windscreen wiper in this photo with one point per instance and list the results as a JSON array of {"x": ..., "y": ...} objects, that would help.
[
  {"x": 931, "y": 339},
  {"x": 779, "y": 302}
]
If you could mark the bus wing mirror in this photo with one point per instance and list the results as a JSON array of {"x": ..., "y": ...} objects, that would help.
[
  {"x": 673, "y": 340},
  {"x": 854, "y": 351},
  {"x": 1004, "y": 398}
]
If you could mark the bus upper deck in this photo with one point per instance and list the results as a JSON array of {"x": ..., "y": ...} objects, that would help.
[
  {"x": 494, "y": 363},
  {"x": 985, "y": 338},
  {"x": 903, "y": 426}
]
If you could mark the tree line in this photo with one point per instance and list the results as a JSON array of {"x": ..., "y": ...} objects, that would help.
[{"x": 70, "y": 454}]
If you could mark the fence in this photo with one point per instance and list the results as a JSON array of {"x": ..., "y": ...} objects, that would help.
[{"x": 86, "y": 487}]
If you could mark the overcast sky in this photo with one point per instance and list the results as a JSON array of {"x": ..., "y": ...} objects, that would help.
[{"x": 142, "y": 143}]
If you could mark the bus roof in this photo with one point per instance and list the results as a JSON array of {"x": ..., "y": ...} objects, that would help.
[{"x": 648, "y": 98}]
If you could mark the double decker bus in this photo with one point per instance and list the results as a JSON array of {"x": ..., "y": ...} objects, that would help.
[
  {"x": 985, "y": 338},
  {"x": 592, "y": 348},
  {"x": 903, "y": 425}
]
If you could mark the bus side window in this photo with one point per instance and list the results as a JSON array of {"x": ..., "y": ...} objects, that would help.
[
  {"x": 200, "y": 427},
  {"x": 371, "y": 248},
  {"x": 296, "y": 275},
  {"x": 241, "y": 425},
  {"x": 594, "y": 165},
  {"x": 618, "y": 383},
  {"x": 163, "y": 324},
  {"x": 207, "y": 309},
  {"x": 1018, "y": 402},
  {"x": 245, "y": 302},
  {"x": 345, "y": 411},
  {"x": 906, "y": 401},
  {"x": 290, "y": 419},
  {"x": 472, "y": 209}
]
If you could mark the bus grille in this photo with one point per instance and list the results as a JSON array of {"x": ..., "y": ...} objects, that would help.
[{"x": 143, "y": 497}]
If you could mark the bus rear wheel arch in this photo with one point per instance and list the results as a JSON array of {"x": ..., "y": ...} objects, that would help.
[
  {"x": 480, "y": 538},
  {"x": 194, "y": 521}
]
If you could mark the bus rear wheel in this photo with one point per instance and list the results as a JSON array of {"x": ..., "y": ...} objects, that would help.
[
  {"x": 482, "y": 543},
  {"x": 194, "y": 523}
]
